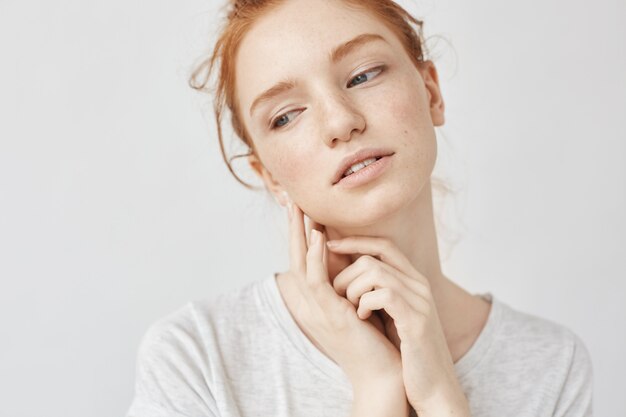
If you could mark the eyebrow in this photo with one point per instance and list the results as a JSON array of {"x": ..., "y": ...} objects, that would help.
[{"x": 336, "y": 55}]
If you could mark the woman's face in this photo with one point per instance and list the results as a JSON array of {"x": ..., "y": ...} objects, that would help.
[{"x": 371, "y": 96}]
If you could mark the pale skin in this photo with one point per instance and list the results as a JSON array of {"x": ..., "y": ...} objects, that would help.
[{"x": 386, "y": 228}]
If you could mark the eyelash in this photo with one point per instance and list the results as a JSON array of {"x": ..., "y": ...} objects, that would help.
[{"x": 378, "y": 69}]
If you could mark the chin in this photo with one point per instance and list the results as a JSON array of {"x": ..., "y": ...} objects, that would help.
[{"x": 373, "y": 207}]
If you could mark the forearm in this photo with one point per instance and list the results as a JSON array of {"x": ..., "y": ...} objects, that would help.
[
  {"x": 381, "y": 400},
  {"x": 452, "y": 404}
]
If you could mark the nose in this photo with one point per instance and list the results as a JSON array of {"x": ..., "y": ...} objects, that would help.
[{"x": 340, "y": 118}]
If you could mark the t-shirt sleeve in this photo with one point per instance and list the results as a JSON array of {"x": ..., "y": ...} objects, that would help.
[
  {"x": 576, "y": 398},
  {"x": 172, "y": 371}
]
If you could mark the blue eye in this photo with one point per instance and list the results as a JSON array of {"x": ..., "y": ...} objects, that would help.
[
  {"x": 282, "y": 117},
  {"x": 376, "y": 70},
  {"x": 276, "y": 123}
]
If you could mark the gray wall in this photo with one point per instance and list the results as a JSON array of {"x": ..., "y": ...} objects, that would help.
[{"x": 115, "y": 206}]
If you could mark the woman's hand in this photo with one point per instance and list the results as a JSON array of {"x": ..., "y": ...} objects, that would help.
[
  {"x": 383, "y": 278},
  {"x": 337, "y": 262},
  {"x": 356, "y": 345}
]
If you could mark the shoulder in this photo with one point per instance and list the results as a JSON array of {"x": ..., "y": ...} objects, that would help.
[
  {"x": 186, "y": 325},
  {"x": 534, "y": 332},
  {"x": 174, "y": 328},
  {"x": 530, "y": 363},
  {"x": 200, "y": 324},
  {"x": 171, "y": 369},
  {"x": 542, "y": 345},
  {"x": 179, "y": 362}
]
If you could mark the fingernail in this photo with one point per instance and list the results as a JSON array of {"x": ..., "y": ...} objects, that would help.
[
  {"x": 314, "y": 236},
  {"x": 332, "y": 243},
  {"x": 289, "y": 204},
  {"x": 287, "y": 199}
]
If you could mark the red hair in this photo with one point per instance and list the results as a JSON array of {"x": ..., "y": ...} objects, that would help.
[{"x": 241, "y": 14}]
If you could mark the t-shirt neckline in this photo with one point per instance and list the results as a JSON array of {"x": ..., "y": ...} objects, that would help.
[{"x": 301, "y": 342}]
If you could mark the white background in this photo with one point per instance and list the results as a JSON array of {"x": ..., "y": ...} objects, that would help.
[{"x": 116, "y": 207}]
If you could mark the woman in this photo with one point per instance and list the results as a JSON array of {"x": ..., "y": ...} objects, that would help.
[{"x": 338, "y": 105}]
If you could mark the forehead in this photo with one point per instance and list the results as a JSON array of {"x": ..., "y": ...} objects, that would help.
[{"x": 297, "y": 36}]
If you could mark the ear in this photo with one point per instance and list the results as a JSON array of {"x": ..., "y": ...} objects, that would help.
[
  {"x": 431, "y": 81},
  {"x": 271, "y": 184}
]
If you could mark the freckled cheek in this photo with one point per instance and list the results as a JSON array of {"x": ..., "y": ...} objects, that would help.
[
  {"x": 407, "y": 110},
  {"x": 292, "y": 169},
  {"x": 409, "y": 115}
]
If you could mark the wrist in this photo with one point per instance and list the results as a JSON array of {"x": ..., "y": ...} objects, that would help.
[
  {"x": 380, "y": 399},
  {"x": 444, "y": 404}
]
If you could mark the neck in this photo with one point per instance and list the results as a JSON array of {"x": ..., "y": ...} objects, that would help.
[{"x": 412, "y": 229}]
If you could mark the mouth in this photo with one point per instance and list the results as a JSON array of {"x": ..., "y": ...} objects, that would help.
[{"x": 359, "y": 160}]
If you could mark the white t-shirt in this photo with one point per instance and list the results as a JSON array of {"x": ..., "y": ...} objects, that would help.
[{"x": 241, "y": 354}]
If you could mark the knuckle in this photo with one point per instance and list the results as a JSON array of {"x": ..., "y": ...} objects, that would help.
[
  {"x": 350, "y": 295},
  {"x": 360, "y": 260},
  {"x": 366, "y": 260},
  {"x": 377, "y": 269},
  {"x": 387, "y": 295},
  {"x": 382, "y": 293},
  {"x": 340, "y": 291}
]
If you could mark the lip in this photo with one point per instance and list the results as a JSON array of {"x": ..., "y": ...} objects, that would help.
[
  {"x": 367, "y": 174},
  {"x": 359, "y": 156}
]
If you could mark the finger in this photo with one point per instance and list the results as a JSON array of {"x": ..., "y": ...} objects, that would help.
[
  {"x": 297, "y": 243},
  {"x": 388, "y": 300},
  {"x": 316, "y": 273},
  {"x": 383, "y": 249},
  {"x": 371, "y": 280},
  {"x": 317, "y": 226},
  {"x": 364, "y": 264},
  {"x": 307, "y": 231},
  {"x": 369, "y": 274},
  {"x": 334, "y": 262},
  {"x": 325, "y": 253},
  {"x": 313, "y": 225}
]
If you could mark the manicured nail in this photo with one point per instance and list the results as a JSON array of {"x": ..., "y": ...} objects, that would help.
[{"x": 332, "y": 243}]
